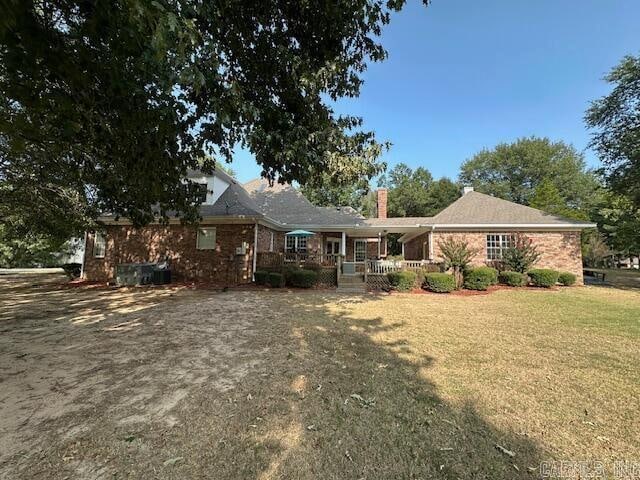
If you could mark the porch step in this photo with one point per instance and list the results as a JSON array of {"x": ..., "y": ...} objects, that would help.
[
  {"x": 351, "y": 284},
  {"x": 351, "y": 289},
  {"x": 351, "y": 279}
]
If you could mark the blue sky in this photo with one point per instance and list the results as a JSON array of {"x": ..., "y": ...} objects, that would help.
[{"x": 463, "y": 75}]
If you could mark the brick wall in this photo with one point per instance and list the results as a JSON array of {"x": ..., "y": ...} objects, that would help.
[
  {"x": 372, "y": 247},
  {"x": 264, "y": 239},
  {"x": 220, "y": 266},
  {"x": 415, "y": 249},
  {"x": 559, "y": 250}
]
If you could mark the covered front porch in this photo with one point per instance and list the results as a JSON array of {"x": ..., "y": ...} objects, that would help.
[{"x": 352, "y": 252}]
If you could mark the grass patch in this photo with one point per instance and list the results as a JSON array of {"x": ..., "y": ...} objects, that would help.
[{"x": 316, "y": 385}]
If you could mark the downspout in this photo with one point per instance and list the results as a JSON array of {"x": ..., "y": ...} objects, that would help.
[
  {"x": 255, "y": 251},
  {"x": 84, "y": 255},
  {"x": 433, "y": 227}
]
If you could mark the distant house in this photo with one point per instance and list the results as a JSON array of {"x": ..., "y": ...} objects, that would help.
[{"x": 245, "y": 226}]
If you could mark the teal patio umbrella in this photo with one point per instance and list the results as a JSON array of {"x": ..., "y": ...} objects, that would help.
[{"x": 299, "y": 233}]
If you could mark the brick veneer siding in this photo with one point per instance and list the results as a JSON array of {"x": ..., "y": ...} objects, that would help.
[
  {"x": 220, "y": 266},
  {"x": 559, "y": 250},
  {"x": 372, "y": 248},
  {"x": 415, "y": 248},
  {"x": 264, "y": 239}
]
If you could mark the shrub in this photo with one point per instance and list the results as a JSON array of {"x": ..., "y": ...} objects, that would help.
[
  {"x": 457, "y": 256},
  {"x": 261, "y": 277},
  {"x": 275, "y": 280},
  {"x": 567, "y": 279},
  {"x": 513, "y": 279},
  {"x": 72, "y": 269},
  {"x": 439, "y": 282},
  {"x": 480, "y": 278},
  {"x": 303, "y": 278},
  {"x": 288, "y": 271},
  {"x": 402, "y": 281},
  {"x": 521, "y": 256},
  {"x": 543, "y": 277}
]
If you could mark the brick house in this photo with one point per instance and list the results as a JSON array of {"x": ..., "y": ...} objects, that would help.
[{"x": 245, "y": 226}]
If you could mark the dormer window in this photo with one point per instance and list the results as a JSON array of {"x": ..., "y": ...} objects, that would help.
[
  {"x": 197, "y": 190},
  {"x": 201, "y": 192}
]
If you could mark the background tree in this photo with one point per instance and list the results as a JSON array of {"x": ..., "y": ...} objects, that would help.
[
  {"x": 328, "y": 191},
  {"x": 547, "y": 197},
  {"x": 105, "y": 105},
  {"x": 615, "y": 120},
  {"x": 514, "y": 171},
  {"x": 414, "y": 193},
  {"x": 618, "y": 220}
]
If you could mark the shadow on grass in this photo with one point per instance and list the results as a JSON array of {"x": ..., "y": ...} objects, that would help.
[
  {"x": 328, "y": 398},
  {"x": 336, "y": 403}
]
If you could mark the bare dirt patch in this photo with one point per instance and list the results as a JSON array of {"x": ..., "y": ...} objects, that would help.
[{"x": 182, "y": 383}]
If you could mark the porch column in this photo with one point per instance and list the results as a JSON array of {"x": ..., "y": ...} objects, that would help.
[
  {"x": 343, "y": 245},
  {"x": 379, "y": 244}
]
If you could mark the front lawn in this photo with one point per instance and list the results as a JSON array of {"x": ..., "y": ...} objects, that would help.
[{"x": 195, "y": 384}]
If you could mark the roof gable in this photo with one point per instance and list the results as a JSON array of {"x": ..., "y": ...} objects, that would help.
[
  {"x": 475, "y": 208},
  {"x": 287, "y": 205}
]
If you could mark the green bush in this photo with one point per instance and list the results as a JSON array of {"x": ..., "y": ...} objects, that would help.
[
  {"x": 303, "y": 278},
  {"x": 513, "y": 279},
  {"x": 480, "y": 278},
  {"x": 275, "y": 280},
  {"x": 260, "y": 277},
  {"x": 402, "y": 281},
  {"x": 543, "y": 277},
  {"x": 567, "y": 279},
  {"x": 439, "y": 282},
  {"x": 287, "y": 271}
]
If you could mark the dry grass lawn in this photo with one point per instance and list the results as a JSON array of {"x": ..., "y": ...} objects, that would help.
[{"x": 177, "y": 383}]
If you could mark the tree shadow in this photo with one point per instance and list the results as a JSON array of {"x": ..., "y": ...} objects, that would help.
[
  {"x": 322, "y": 394},
  {"x": 334, "y": 402}
]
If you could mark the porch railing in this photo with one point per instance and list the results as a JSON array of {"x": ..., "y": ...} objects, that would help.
[
  {"x": 382, "y": 267},
  {"x": 278, "y": 259}
]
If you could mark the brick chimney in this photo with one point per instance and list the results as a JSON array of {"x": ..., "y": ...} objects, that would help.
[{"x": 382, "y": 203}]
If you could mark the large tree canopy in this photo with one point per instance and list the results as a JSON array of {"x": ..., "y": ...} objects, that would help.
[
  {"x": 414, "y": 193},
  {"x": 515, "y": 171},
  {"x": 615, "y": 120},
  {"x": 105, "y": 105}
]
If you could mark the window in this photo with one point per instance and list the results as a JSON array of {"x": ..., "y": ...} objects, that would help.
[
  {"x": 295, "y": 244},
  {"x": 290, "y": 245},
  {"x": 497, "y": 244},
  {"x": 99, "y": 245},
  {"x": 201, "y": 192},
  {"x": 206, "y": 238},
  {"x": 271, "y": 242},
  {"x": 360, "y": 250},
  {"x": 332, "y": 247},
  {"x": 196, "y": 190}
]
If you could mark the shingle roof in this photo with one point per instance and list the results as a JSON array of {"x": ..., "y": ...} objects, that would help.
[
  {"x": 398, "y": 221},
  {"x": 234, "y": 201},
  {"x": 285, "y": 204},
  {"x": 475, "y": 208}
]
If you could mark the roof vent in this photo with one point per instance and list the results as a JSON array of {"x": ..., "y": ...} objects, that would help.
[{"x": 467, "y": 190}]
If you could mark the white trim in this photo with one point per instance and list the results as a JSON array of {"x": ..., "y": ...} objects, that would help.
[
  {"x": 355, "y": 242},
  {"x": 84, "y": 255},
  {"x": 430, "y": 236},
  {"x": 95, "y": 238},
  {"x": 562, "y": 226},
  {"x": 215, "y": 237},
  {"x": 343, "y": 245},
  {"x": 255, "y": 250}
]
